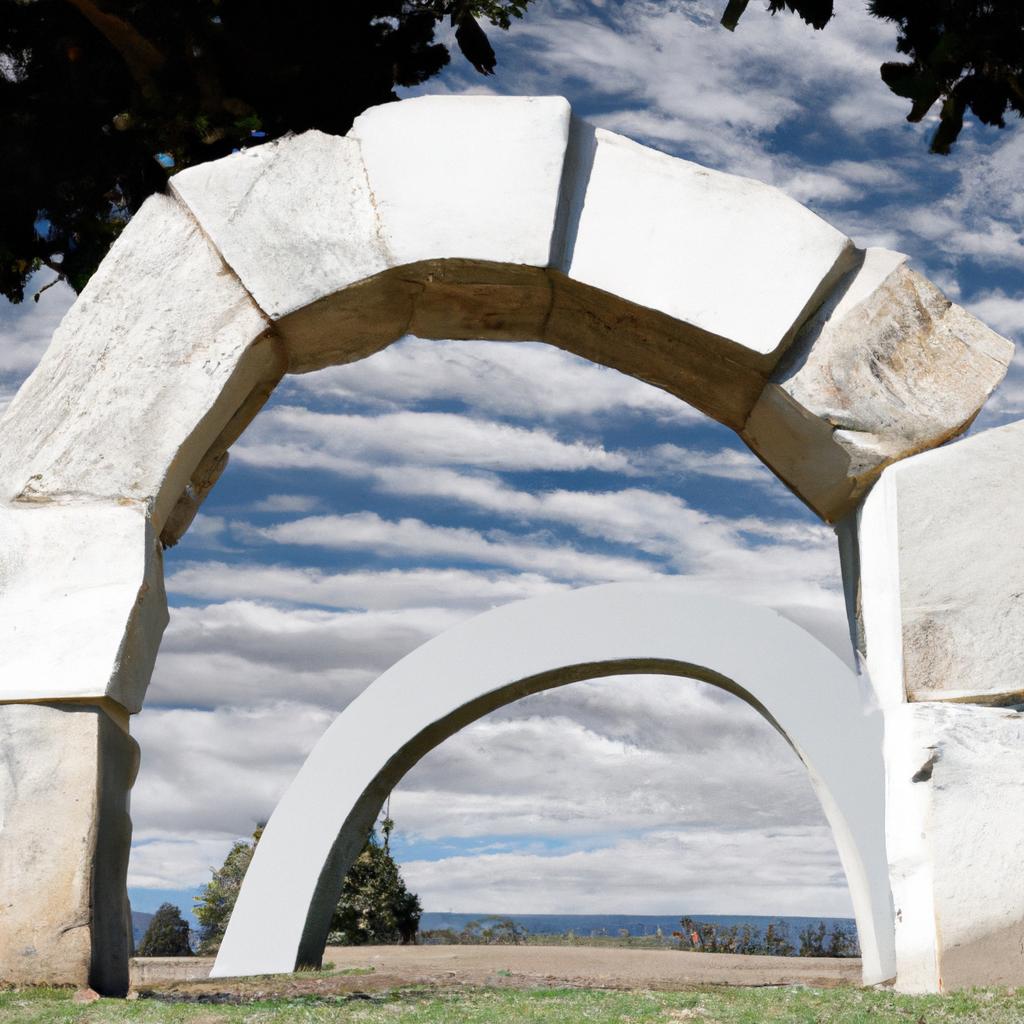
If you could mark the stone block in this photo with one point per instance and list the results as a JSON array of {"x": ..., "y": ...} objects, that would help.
[
  {"x": 955, "y": 832},
  {"x": 468, "y": 177},
  {"x": 143, "y": 374},
  {"x": 65, "y": 836},
  {"x": 295, "y": 219},
  {"x": 887, "y": 367},
  {"x": 942, "y": 572},
  {"x": 711, "y": 373},
  {"x": 733, "y": 257},
  {"x": 82, "y": 603}
]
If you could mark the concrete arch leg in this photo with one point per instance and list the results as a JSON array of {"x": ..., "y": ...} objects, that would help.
[{"x": 818, "y": 704}]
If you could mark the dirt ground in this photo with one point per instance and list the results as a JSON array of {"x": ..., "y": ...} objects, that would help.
[{"x": 375, "y": 968}]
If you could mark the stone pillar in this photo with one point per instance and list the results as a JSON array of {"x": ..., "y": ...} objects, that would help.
[
  {"x": 955, "y": 832},
  {"x": 934, "y": 568},
  {"x": 66, "y": 770}
]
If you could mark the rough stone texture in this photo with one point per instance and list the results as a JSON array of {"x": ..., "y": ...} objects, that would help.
[
  {"x": 290, "y": 245},
  {"x": 731, "y": 256},
  {"x": 65, "y": 834},
  {"x": 887, "y": 367},
  {"x": 955, "y": 832},
  {"x": 942, "y": 572},
  {"x": 497, "y": 218},
  {"x": 143, "y": 373},
  {"x": 474, "y": 177},
  {"x": 82, "y": 604}
]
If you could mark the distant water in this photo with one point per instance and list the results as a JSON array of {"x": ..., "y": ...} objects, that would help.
[{"x": 594, "y": 925}]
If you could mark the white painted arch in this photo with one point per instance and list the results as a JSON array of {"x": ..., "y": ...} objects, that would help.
[{"x": 821, "y": 708}]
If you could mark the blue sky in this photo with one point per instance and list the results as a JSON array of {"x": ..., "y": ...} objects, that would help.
[{"x": 371, "y": 506}]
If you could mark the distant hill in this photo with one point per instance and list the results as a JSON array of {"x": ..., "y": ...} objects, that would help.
[{"x": 140, "y": 922}]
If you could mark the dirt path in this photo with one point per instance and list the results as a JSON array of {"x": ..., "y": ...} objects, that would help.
[
  {"x": 512, "y": 966},
  {"x": 592, "y": 966}
]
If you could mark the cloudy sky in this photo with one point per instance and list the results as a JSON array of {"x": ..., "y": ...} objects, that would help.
[{"x": 371, "y": 506}]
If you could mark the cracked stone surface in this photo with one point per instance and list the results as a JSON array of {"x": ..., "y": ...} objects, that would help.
[
  {"x": 483, "y": 217},
  {"x": 887, "y": 367},
  {"x": 64, "y": 780},
  {"x": 956, "y": 784},
  {"x": 942, "y": 553}
]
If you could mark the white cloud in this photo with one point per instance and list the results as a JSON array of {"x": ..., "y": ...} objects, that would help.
[
  {"x": 792, "y": 872},
  {"x": 725, "y": 463},
  {"x": 348, "y": 444},
  {"x": 575, "y": 767},
  {"x": 246, "y": 652},
  {"x": 211, "y": 775},
  {"x": 400, "y": 454},
  {"x": 382, "y": 590},
  {"x": 525, "y": 380},
  {"x": 1002, "y": 312},
  {"x": 164, "y": 862},
  {"x": 286, "y": 503},
  {"x": 415, "y": 538},
  {"x": 26, "y": 329}
]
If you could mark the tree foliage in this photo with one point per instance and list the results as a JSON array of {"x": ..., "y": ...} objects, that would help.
[
  {"x": 215, "y": 903},
  {"x": 491, "y": 931},
  {"x": 815, "y": 939},
  {"x": 964, "y": 55},
  {"x": 101, "y": 99},
  {"x": 375, "y": 906},
  {"x": 167, "y": 934}
]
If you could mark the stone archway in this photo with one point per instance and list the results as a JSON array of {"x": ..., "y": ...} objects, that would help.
[
  {"x": 474, "y": 217},
  {"x": 820, "y": 707}
]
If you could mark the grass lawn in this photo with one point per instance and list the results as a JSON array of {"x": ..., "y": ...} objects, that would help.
[{"x": 538, "y": 1006}]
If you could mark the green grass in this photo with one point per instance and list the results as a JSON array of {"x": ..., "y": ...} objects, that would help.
[{"x": 540, "y": 1006}]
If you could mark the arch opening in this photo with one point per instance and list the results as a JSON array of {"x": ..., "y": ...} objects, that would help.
[
  {"x": 642, "y": 797},
  {"x": 802, "y": 689}
]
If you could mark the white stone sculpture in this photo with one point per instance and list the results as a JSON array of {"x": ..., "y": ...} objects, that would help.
[{"x": 317, "y": 250}]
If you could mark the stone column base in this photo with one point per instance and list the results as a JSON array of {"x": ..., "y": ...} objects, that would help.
[
  {"x": 955, "y": 835},
  {"x": 66, "y": 770}
]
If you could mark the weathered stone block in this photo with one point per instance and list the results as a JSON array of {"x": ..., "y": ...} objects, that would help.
[
  {"x": 887, "y": 367},
  {"x": 143, "y": 374},
  {"x": 469, "y": 177},
  {"x": 955, "y": 832},
  {"x": 82, "y": 603},
  {"x": 65, "y": 835},
  {"x": 715, "y": 375},
  {"x": 295, "y": 219},
  {"x": 942, "y": 571},
  {"x": 731, "y": 256}
]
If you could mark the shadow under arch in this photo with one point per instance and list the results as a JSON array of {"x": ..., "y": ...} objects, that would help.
[{"x": 816, "y": 702}]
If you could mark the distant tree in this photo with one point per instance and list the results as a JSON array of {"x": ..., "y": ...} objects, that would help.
[
  {"x": 492, "y": 931},
  {"x": 964, "y": 55},
  {"x": 215, "y": 903},
  {"x": 776, "y": 939},
  {"x": 504, "y": 931},
  {"x": 843, "y": 942},
  {"x": 812, "y": 940},
  {"x": 375, "y": 905},
  {"x": 101, "y": 99},
  {"x": 167, "y": 934}
]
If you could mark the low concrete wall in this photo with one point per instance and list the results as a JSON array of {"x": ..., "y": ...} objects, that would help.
[{"x": 152, "y": 970}]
